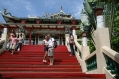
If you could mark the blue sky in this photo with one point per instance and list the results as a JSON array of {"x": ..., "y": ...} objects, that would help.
[{"x": 23, "y": 8}]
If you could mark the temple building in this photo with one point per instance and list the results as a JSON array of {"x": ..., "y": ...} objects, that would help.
[{"x": 35, "y": 28}]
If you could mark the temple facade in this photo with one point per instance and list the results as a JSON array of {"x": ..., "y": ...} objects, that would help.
[{"x": 35, "y": 28}]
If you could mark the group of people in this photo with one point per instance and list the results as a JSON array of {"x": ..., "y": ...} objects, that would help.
[
  {"x": 48, "y": 43},
  {"x": 15, "y": 42}
]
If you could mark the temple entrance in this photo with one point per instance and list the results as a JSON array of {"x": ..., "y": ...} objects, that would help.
[
  {"x": 40, "y": 39},
  {"x": 37, "y": 39},
  {"x": 26, "y": 40}
]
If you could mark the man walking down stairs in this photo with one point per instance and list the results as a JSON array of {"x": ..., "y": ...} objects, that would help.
[{"x": 27, "y": 64}]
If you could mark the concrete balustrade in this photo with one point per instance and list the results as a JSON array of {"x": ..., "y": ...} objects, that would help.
[
  {"x": 4, "y": 39},
  {"x": 112, "y": 60},
  {"x": 83, "y": 55},
  {"x": 2, "y": 46},
  {"x": 111, "y": 53}
]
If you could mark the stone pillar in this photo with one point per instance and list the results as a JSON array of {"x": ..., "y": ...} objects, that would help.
[
  {"x": 84, "y": 39},
  {"x": 5, "y": 31},
  {"x": 38, "y": 40},
  {"x": 73, "y": 27},
  {"x": 66, "y": 37},
  {"x": 100, "y": 21},
  {"x": 4, "y": 34},
  {"x": 101, "y": 39},
  {"x": 74, "y": 31},
  {"x": 30, "y": 37},
  {"x": 61, "y": 39},
  {"x": 99, "y": 18},
  {"x": 85, "y": 51},
  {"x": 4, "y": 37}
]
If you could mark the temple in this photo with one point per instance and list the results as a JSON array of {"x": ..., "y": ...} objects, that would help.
[
  {"x": 36, "y": 27},
  {"x": 95, "y": 54}
]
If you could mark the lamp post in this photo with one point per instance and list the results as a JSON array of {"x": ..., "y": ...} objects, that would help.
[{"x": 99, "y": 18}]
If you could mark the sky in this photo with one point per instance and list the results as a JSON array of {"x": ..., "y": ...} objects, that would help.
[{"x": 23, "y": 8}]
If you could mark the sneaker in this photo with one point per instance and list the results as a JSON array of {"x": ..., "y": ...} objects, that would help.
[
  {"x": 50, "y": 64},
  {"x": 70, "y": 55},
  {"x": 44, "y": 61}
]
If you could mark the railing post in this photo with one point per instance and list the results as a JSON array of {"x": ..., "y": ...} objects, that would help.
[
  {"x": 66, "y": 41},
  {"x": 101, "y": 39},
  {"x": 4, "y": 37},
  {"x": 4, "y": 34},
  {"x": 85, "y": 51}
]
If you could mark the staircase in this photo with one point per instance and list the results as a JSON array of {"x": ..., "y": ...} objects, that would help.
[{"x": 27, "y": 64}]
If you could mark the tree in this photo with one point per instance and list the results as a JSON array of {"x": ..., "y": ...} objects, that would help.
[
  {"x": 115, "y": 31},
  {"x": 111, "y": 16}
]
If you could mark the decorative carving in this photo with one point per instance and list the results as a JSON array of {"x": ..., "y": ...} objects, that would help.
[
  {"x": 67, "y": 30},
  {"x": 46, "y": 15},
  {"x": 21, "y": 29},
  {"x": 6, "y": 12}
]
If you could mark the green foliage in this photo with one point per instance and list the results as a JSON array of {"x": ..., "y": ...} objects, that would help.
[
  {"x": 87, "y": 7},
  {"x": 91, "y": 46},
  {"x": 111, "y": 19},
  {"x": 92, "y": 0},
  {"x": 115, "y": 32}
]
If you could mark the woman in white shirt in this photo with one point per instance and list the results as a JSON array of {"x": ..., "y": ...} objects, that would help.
[{"x": 45, "y": 43}]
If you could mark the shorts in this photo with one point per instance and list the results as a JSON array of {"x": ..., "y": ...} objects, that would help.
[
  {"x": 12, "y": 46},
  {"x": 50, "y": 52},
  {"x": 46, "y": 49}
]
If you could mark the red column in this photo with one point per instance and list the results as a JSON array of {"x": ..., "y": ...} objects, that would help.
[
  {"x": 30, "y": 37},
  {"x": 60, "y": 39}
]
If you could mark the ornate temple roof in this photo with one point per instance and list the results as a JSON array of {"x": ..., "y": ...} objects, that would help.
[
  {"x": 53, "y": 18},
  {"x": 55, "y": 21}
]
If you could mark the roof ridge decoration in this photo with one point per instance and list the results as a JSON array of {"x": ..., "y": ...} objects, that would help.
[
  {"x": 60, "y": 15},
  {"x": 61, "y": 11},
  {"x": 6, "y": 13}
]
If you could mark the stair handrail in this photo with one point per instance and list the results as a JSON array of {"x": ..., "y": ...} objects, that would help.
[
  {"x": 77, "y": 44},
  {"x": 90, "y": 55},
  {"x": 111, "y": 53},
  {"x": 112, "y": 61},
  {"x": 91, "y": 62}
]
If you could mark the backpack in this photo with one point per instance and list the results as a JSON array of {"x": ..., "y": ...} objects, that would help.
[{"x": 55, "y": 44}]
